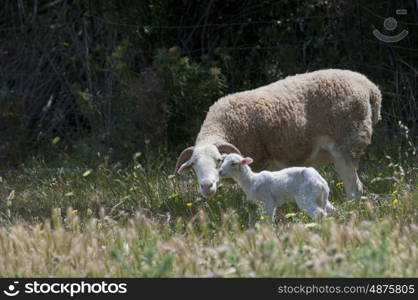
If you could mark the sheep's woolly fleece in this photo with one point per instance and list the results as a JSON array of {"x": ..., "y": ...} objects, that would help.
[{"x": 286, "y": 119}]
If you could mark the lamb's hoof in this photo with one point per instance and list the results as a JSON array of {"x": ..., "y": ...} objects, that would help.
[
  {"x": 319, "y": 214},
  {"x": 330, "y": 210}
]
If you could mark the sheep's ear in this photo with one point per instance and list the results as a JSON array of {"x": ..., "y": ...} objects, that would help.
[
  {"x": 227, "y": 148},
  {"x": 247, "y": 161},
  {"x": 187, "y": 166},
  {"x": 183, "y": 157}
]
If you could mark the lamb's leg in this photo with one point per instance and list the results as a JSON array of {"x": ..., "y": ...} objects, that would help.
[
  {"x": 269, "y": 206},
  {"x": 323, "y": 201},
  {"x": 307, "y": 202},
  {"x": 347, "y": 170},
  {"x": 252, "y": 208},
  {"x": 329, "y": 208}
]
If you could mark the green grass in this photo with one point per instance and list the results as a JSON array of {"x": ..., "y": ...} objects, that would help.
[{"x": 108, "y": 220}]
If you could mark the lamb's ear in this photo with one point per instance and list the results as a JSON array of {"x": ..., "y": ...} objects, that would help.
[
  {"x": 183, "y": 158},
  {"x": 227, "y": 148},
  {"x": 247, "y": 161}
]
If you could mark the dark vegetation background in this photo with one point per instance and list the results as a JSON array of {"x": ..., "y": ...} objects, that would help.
[{"x": 106, "y": 79}]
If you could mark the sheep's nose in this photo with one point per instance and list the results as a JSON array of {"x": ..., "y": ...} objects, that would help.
[
  {"x": 206, "y": 186},
  {"x": 207, "y": 189}
]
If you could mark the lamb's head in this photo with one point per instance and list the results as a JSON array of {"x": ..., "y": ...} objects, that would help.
[
  {"x": 232, "y": 165},
  {"x": 205, "y": 160}
]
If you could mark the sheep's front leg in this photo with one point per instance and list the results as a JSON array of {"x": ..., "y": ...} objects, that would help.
[{"x": 347, "y": 170}]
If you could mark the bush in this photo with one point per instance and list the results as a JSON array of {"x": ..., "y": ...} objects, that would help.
[{"x": 191, "y": 87}]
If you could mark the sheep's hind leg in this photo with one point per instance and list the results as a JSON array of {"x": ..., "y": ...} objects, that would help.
[{"x": 347, "y": 170}]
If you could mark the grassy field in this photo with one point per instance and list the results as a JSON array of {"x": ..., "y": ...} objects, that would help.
[{"x": 108, "y": 220}]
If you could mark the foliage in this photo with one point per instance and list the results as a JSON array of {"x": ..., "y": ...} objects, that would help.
[
  {"x": 102, "y": 73},
  {"x": 193, "y": 87}
]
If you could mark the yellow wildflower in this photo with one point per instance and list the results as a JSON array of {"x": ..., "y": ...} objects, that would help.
[
  {"x": 56, "y": 140},
  {"x": 290, "y": 215},
  {"x": 87, "y": 173}
]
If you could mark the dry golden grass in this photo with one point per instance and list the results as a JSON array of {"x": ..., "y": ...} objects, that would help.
[
  {"x": 142, "y": 247},
  {"x": 370, "y": 241}
]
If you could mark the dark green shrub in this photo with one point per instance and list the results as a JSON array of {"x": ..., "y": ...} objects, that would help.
[{"x": 192, "y": 88}]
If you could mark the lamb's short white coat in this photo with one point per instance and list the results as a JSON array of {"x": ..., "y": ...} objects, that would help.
[{"x": 305, "y": 185}]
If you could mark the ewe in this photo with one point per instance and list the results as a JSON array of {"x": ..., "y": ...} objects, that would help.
[
  {"x": 304, "y": 185},
  {"x": 309, "y": 119}
]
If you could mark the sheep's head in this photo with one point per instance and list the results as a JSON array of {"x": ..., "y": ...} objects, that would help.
[
  {"x": 232, "y": 164},
  {"x": 205, "y": 160}
]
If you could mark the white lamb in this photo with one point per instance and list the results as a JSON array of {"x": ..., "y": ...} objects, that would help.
[{"x": 305, "y": 185}]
